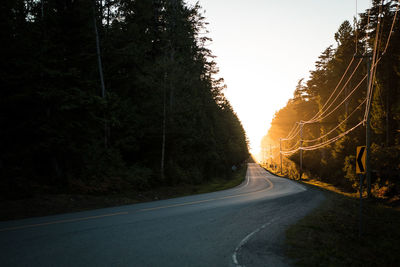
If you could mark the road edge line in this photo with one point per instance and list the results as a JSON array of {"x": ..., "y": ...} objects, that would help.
[{"x": 247, "y": 238}]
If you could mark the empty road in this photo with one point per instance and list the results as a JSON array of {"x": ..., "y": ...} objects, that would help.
[{"x": 241, "y": 226}]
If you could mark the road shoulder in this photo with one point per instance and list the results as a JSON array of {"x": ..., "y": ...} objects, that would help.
[{"x": 267, "y": 246}]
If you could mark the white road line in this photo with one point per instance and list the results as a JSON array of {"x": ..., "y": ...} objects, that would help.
[
  {"x": 247, "y": 238},
  {"x": 241, "y": 187},
  {"x": 140, "y": 210},
  {"x": 298, "y": 185},
  {"x": 210, "y": 199}
]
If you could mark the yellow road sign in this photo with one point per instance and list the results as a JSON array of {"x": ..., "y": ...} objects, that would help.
[{"x": 360, "y": 159}]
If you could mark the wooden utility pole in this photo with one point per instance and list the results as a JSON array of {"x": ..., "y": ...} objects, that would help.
[
  {"x": 270, "y": 152},
  {"x": 367, "y": 124},
  {"x": 280, "y": 153},
  {"x": 301, "y": 149},
  {"x": 368, "y": 133}
]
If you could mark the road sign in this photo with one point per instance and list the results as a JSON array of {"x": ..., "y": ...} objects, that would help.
[{"x": 360, "y": 160}]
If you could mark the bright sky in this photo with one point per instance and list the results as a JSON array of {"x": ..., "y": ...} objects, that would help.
[{"x": 264, "y": 47}]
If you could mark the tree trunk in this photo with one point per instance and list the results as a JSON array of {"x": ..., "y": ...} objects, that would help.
[
  {"x": 100, "y": 66},
  {"x": 164, "y": 128}
]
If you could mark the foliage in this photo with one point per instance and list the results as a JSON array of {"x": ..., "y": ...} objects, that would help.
[
  {"x": 59, "y": 132},
  {"x": 335, "y": 163}
]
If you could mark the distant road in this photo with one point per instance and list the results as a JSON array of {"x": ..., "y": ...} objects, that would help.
[{"x": 240, "y": 226}]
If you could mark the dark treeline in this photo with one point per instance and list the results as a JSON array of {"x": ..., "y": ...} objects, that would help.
[
  {"x": 335, "y": 163},
  {"x": 105, "y": 96}
]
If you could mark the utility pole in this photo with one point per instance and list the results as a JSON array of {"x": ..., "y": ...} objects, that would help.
[
  {"x": 301, "y": 149},
  {"x": 360, "y": 215},
  {"x": 264, "y": 156},
  {"x": 280, "y": 153},
  {"x": 368, "y": 134},
  {"x": 270, "y": 152},
  {"x": 368, "y": 126}
]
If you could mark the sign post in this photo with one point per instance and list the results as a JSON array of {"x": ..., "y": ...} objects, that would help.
[
  {"x": 360, "y": 170},
  {"x": 360, "y": 216}
]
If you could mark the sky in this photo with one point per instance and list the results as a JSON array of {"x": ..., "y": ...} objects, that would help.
[{"x": 264, "y": 47}]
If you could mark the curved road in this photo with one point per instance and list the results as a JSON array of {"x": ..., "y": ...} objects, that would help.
[{"x": 240, "y": 226}]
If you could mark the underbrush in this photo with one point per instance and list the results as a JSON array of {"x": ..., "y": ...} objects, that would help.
[{"x": 48, "y": 204}]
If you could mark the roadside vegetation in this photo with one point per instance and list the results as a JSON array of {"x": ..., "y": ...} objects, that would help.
[
  {"x": 327, "y": 126},
  {"x": 329, "y": 144},
  {"x": 49, "y": 204},
  {"x": 329, "y": 236},
  {"x": 104, "y": 98}
]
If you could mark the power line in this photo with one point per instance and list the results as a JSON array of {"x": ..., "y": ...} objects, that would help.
[
  {"x": 319, "y": 138},
  {"x": 373, "y": 67},
  {"x": 333, "y": 139},
  {"x": 293, "y": 147},
  {"x": 296, "y": 129},
  {"x": 348, "y": 80},
  {"x": 374, "y": 63},
  {"x": 345, "y": 99},
  {"x": 292, "y": 130},
  {"x": 391, "y": 28},
  {"x": 319, "y": 115},
  {"x": 294, "y": 134},
  {"x": 323, "y": 144},
  {"x": 341, "y": 79},
  {"x": 368, "y": 98}
]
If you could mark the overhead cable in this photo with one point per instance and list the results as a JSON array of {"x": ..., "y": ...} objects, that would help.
[
  {"x": 343, "y": 87},
  {"x": 341, "y": 79},
  {"x": 345, "y": 99},
  {"x": 391, "y": 28},
  {"x": 295, "y": 126},
  {"x": 293, "y": 147},
  {"x": 319, "y": 115},
  {"x": 295, "y": 131},
  {"x": 373, "y": 65},
  {"x": 333, "y": 139},
  {"x": 319, "y": 138}
]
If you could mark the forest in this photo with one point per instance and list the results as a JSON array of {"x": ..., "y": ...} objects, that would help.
[
  {"x": 325, "y": 120},
  {"x": 102, "y": 96}
]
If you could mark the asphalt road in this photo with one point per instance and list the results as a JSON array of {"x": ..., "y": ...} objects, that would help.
[{"x": 241, "y": 226}]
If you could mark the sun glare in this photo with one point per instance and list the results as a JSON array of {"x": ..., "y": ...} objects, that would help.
[{"x": 261, "y": 58}]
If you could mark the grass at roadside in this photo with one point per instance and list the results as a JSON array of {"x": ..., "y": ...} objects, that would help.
[
  {"x": 218, "y": 185},
  {"x": 329, "y": 236},
  {"x": 62, "y": 203}
]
